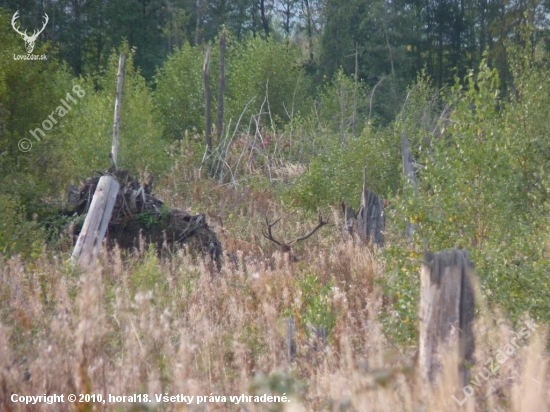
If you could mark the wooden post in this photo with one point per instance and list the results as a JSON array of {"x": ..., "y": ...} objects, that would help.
[
  {"x": 207, "y": 98},
  {"x": 371, "y": 220},
  {"x": 446, "y": 311},
  {"x": 118, "y": 100},
  {"x": 91, "y": 237}
]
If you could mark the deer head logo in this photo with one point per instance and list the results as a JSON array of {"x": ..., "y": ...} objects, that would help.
[{"x": 29, "y": 40}]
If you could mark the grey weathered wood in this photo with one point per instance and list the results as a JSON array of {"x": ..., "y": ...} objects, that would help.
[
  {"x": 118, "y": 100},
  {"x": 371, "y": 220},
  {"x": 221, "y": 88},
  {"x": 350, "y": 219},
  {"x": 410, "y": 177},
  {"x": 446, "y": 311},
  {"x": 95, "y": 226},
  {"x": 207, "y": 98}
]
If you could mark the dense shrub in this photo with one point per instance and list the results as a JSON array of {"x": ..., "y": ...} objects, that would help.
[
  {"x": 482, "y": 187},
  {"x": 88, "y": 133},
  {"x": 261, "y": 76}
]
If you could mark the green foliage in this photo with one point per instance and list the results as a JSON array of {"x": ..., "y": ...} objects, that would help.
[
  {"x": 466, "y": 181},
  {"x": 29, "y": 91},
  {"x": 178, "y": 97},
  {"x": 314, "y": 306},
  {"x": 337, "y": 173},
  {"x": 341, "y": 102},
  {"x": 261, "y": 76},
  {"x": 17, "y": 234},
  {"x": 401, "y": 288},
  {"x": 150, "y": 219},
  {"x": 88, "y": 133},
  {"x": 482, "y": 186},
  {"x": 147, "y": 277},
  {"x": 263, "y": 70},
  {"x": 333, "y": 176},
  {"x": 337, "y": 156}
]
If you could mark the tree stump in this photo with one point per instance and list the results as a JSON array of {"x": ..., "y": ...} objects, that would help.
[
  {"x": 446, "y": 311},
  {"x": 371, "y": 220}
]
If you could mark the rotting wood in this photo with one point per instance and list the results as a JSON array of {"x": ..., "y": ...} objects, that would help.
[
  {"x": 97, "y": 220},
  {"x": 350, "y": 219},
  {"x": 446, "y": 312},
  {"x": 138, "y": 215},
  {"x": 371, "y": 219}
]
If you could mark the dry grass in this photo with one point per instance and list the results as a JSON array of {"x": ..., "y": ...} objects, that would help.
[{"x": 137, "y": 324}]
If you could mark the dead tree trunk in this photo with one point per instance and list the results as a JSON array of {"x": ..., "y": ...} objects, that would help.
[
  {"x": 207, "y": 99},
  {"x": 356, "y": 82},
  {"x": 91, "y": 237},
  {"x": 198, "y": 22},
  {"x": 221, "y": 89},
  {"x": 263, "y": 17},
  {"x": 97, "y": 220},
  {"x": 371, "y": 220},
  {"x": 446, "y": 311},
  {"x": 118, "y": 100},
  {"x": 410, "y": 177}
]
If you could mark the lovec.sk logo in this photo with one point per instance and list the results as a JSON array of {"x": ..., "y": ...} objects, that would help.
[{"x": 29, "y": 40}]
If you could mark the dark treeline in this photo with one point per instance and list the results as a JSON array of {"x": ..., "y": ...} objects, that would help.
[{"x": 383, "y": 38}]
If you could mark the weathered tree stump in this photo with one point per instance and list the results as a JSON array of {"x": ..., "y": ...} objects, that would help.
[
  {"x": 371, "y": 220},
  {"x": 446, "y": 311}
]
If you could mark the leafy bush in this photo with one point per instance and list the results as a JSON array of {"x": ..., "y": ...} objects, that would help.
[
  {"x": 480, "y": 189},
  {"x": 178, "y": 97},
  {"x": 256, "y": 69},
  {"x": 268, "y": 70},
  {"x": 17, "y": 234},
  {"x": 315, "y": 304},
  {"x": 88, "y": 132}
]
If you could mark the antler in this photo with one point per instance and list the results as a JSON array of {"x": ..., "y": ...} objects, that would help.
[
  {"x": 315, "y": 229},
  {"x": 36, "y": 33},
  {"x": 15, "y": 17},
  {"x": 285, "y": 246},
  {"x": 268, "y": 235}
]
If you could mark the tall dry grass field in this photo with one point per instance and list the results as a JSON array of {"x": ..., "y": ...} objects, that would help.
[{"x": 140, "y": 324}]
